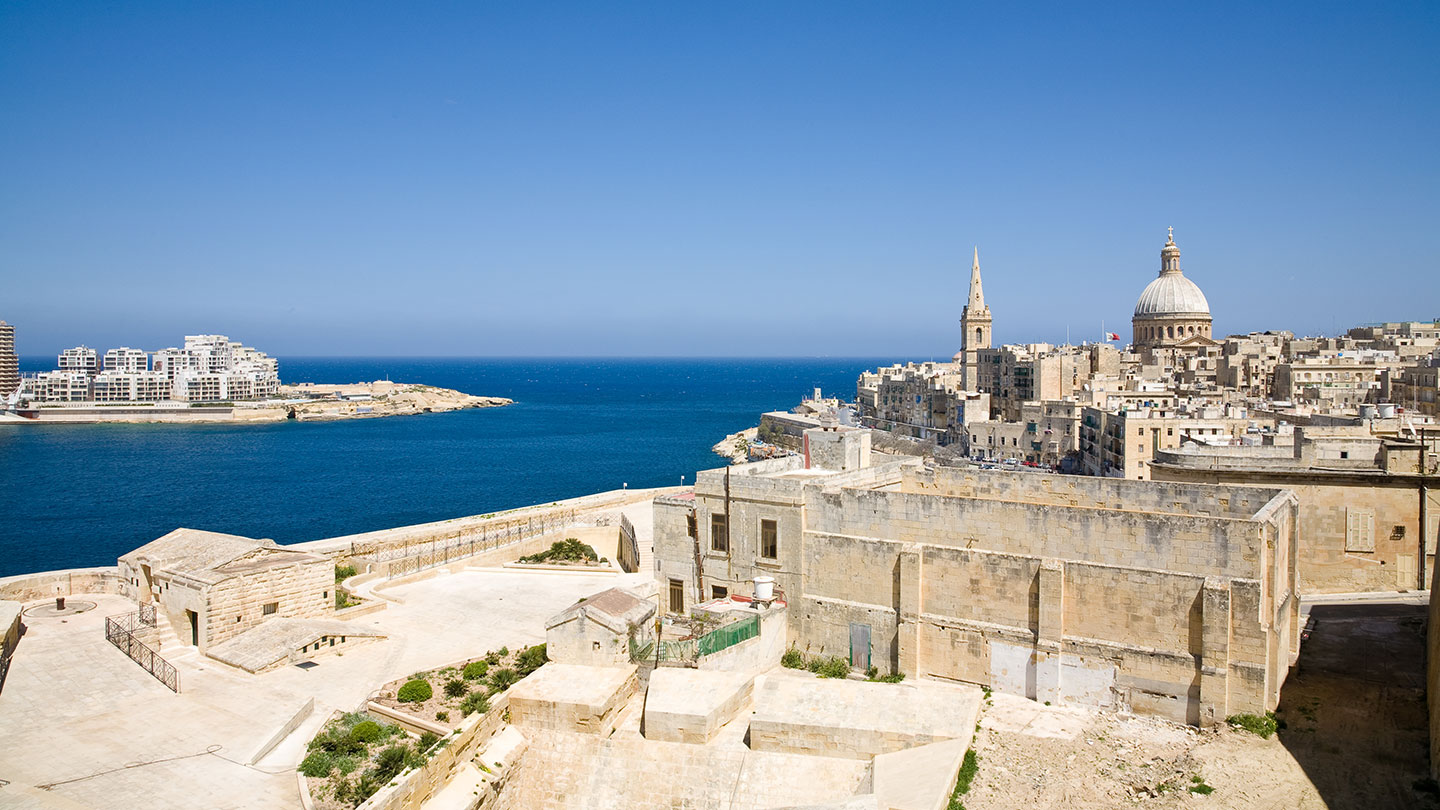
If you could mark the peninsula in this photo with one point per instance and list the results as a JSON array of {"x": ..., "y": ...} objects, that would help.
[{"x": 210, "y": 379}]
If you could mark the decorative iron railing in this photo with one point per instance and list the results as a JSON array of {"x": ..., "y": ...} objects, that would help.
[
  {"x": 120, "y": 631},
  {"x": 147, "y": 614}
]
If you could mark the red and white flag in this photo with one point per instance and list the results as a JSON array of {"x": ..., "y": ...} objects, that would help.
[{"x": 1111, "y": 336}]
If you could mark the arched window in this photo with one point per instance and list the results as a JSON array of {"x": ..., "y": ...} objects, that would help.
[{"x": 1171, "y": 330}]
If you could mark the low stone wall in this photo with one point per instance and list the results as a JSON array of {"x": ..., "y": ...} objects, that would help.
[
  {"x": 67, "y": 582},
  {"x": 413, "y": 788},
  {"x": 572, "y": 697}
]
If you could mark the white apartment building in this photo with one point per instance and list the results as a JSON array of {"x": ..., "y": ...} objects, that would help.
[
  {"x": 126, "y": 359},
  {"x": 81, "y": 358},
  {"x": 131, "y": 386},
  {"x": 57, "y": 386}
]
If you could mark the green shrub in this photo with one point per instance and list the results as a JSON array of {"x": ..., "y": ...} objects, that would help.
[
  {"x": 568, "y": 550},
  {"x": 474, "y": 703},
  {"x": 1197, "y": 785},
  {"x": 456, "y": 688},
  {"x": 336, "y": 739},
  {"x": 443, "y": 717},
  {"x": 317, "y": 764},
  {"x": 893, "y": 677},
  {"x": 342, "y": 600},
  {"x": 833, "y": 667},
  {"x": 475, "y": 670},
  {"x": 1263, "y": 725},
  {"x": 502, "y": 679},
  {"x": 367, "y": 731},
  {"x": 415, "y": 691},
  {"x": 492, "y": 658},
  {"x": 428, "y": 740},
  {"x": 390, "y": 763},
  {"x": 344, "y": 572},
  {"x": 531, "y": 659},
  {"x": 504, "y": 651},
  {"x": 793, "y": 659},
  {"x": 968, "y": 769}
]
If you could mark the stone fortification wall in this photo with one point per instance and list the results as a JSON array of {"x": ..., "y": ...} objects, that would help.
[
  {"x": 69, "y": 582},
  {"x": 1087, "y": 491},
  {"x": 1197, "y": 544},
  {"x": 1335, "y": 556},
  {"x": 1187, "y": 647}
]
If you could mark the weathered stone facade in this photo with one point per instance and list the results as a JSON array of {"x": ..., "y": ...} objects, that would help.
[
  {"x": 212, "y": 587},
  {"x": 1179, "y": 601}
]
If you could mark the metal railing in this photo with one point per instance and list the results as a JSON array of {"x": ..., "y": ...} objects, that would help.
[
  {"x": 411, "y": 556},
  {"x": 690, "y": 650},
  {"x": 120, "y": 631},
  {"x": 147, "y": 614},
  {"x": 629, "y": 546},
  {"x": 6, "y": 653}
]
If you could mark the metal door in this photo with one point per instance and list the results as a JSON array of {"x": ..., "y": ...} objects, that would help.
[{"x": 860, "y": 646}]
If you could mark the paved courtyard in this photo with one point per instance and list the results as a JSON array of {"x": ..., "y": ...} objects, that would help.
[{"x": 84, "y": 726}]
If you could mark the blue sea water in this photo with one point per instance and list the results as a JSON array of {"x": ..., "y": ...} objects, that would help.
[{"x": 81, "y": 495}]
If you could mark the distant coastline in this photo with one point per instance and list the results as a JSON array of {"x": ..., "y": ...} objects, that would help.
[{"x": 305, "y": 402}]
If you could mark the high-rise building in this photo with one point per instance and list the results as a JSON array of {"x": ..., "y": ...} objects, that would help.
[{"x": 9, "y": 363}]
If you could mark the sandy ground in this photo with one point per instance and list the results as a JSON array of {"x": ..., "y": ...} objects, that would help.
[{"x": 1354, "y": 736}]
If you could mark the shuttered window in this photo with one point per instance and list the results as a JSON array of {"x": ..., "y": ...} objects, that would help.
[{"x": 1360, "y": 530}]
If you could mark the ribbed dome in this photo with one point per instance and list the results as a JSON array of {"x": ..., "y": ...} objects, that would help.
[{"x": 1171, "y": 294}]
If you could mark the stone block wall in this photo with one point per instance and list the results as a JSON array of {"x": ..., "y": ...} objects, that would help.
[
  {"x": 1325, "y": 563},
  {"x": 300, "y": 590},
  {"x": 68, "y": 582}
]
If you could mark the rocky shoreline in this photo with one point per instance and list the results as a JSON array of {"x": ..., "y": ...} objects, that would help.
[{"x": 304, "y": 402}]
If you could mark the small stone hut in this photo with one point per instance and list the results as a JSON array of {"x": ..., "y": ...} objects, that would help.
[
  {"x": 597, "y": 630},
  {"x": 210, "y": 587}
]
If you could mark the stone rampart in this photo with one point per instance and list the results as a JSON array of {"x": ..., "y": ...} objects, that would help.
[{"x": 68, "y": 582}]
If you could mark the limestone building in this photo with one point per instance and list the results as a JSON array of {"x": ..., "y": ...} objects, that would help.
[
  {"x": 1368, "y": 520},
  {"x": 1171, "y": 309},
  {"x": 210, "y": 587},
  {"x": 1177, "y": 601}
]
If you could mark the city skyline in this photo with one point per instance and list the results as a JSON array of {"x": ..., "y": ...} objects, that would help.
[{"x": 704, "y": 182}]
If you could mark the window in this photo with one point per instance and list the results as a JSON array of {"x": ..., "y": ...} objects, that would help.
[
  {"x": 769, "y": 539},
  {"x": 719, "y": 534},
  {"x": 677, "y": 596},
  {"x": 719, "y": 591},
  {"x": 270, "y": 608},
  {"x": 324, "y": 594},
  {"x": 1359, "y": 530},
  {"x": 690, "y": 529}
]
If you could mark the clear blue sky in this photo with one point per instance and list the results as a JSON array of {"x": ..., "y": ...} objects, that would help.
[{"x": 705, "y": 178}]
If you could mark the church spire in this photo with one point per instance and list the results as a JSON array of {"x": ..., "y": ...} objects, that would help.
[
  {"x": 977, "y": 292},
  {"x": 975, "y": 318}
]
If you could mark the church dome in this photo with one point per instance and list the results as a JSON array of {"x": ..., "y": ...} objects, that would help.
[{"x": 1172, "y": 293}]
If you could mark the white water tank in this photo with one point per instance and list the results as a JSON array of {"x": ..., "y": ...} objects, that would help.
[
  {"x": 1367, "y": 411},
  {"x": 1386, "y": 410},
  {"x": 764, "y": 589}
]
